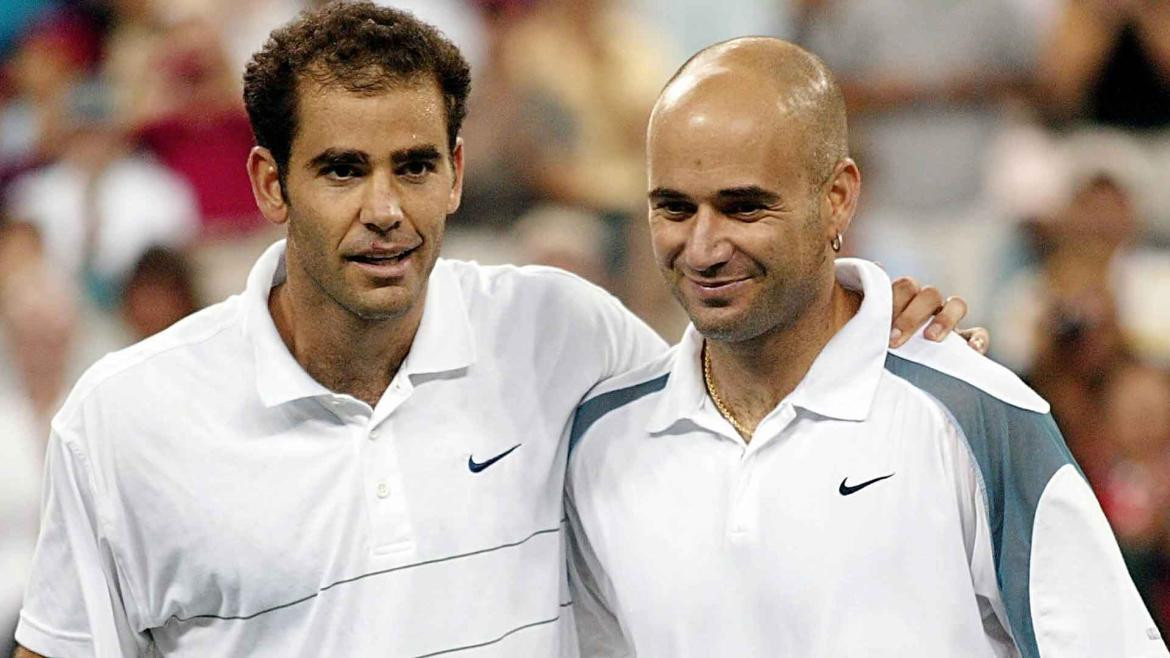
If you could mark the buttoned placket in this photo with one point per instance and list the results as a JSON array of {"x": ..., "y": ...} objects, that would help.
[
  {"x": 742, "y": 503},
  {"x": 382, "y": 482}
]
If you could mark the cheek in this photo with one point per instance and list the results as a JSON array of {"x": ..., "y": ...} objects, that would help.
[{"x": 667, "y": 240}]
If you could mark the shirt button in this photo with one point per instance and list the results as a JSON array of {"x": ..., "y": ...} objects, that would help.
[
  {"x": 374, "y": 435},
  {"x": 383, "y": 489}
]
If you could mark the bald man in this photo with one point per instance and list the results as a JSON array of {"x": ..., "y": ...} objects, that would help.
[{"x": 782, "y": 483}]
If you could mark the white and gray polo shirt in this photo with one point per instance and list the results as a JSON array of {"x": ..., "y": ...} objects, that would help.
[
  {"x": 914, "y": 502},
  {"x": 206, "y": 497}
]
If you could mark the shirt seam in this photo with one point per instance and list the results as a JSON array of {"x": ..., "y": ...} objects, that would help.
[
  {"x": 47, "y": 629},
  {"x": 73, "y": 407},
  {"x": 107, "y": 529}
]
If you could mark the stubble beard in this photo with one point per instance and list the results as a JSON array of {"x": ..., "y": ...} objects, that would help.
[{"x": 782, "y": 305}]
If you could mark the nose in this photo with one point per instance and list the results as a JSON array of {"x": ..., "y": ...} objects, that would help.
[
  {"x": 706, "y": 247},
  {"x": 382, "y": 207}
]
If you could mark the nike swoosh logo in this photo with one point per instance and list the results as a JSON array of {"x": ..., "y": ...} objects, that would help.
[
  {"x": 845, "y": 489},
  {"x": 476, "y": 467}
]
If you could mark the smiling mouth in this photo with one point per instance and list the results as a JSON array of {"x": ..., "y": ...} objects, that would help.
[
  {"x": 381, "y": 258},
  {"x": 715, "y": 285}
]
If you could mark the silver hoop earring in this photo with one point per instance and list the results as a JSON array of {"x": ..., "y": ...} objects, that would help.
[{"x": 837, "y": 242}]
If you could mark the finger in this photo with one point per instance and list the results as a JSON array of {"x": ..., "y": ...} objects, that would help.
[
  {"x": 904, "y": 289},
  {"x": 953, "y": 310},
  {"x": 922, "y": 306},
  {"x": 978, "y": 338}
]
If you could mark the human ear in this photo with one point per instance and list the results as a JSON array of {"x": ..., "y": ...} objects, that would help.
[
  {"x": 840, "y": 197},
  {"x": 264, "y": 175}
]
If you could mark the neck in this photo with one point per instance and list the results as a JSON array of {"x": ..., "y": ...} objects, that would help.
[
  {"x": 343, "y": 352},
  {"x": 753, "y": 376}
]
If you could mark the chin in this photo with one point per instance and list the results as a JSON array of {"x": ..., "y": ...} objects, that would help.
[
  {"x": 383, "y": 304},
  {"x": 718, "y": 324}
]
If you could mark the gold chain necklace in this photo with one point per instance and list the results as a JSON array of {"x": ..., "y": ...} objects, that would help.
[{"x": 723, "y": 410}]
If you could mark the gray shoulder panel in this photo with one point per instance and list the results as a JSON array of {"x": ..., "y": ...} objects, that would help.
[
  {"x": 1017, "y": 452},
  {"x": 592, "y": 410}
]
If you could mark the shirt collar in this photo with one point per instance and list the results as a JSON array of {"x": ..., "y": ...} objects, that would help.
[
  {"x": 443, "y": 342},
  {"x": 840, "y": 384},
  {"x": 685, "y": 393},
  {"x": 844, "y": 377}
]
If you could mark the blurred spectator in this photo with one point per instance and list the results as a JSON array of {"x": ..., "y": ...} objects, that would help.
[
  {"x": 559, "y": 115},
  {"x": 191, "y": 116},
  {"x": 458, "y": 20},
  {"x": 160, "y": 292},
  {"x": 1091, "y": 244},
  {"x": 925, "y": 83},
  {"x": 1105, "y": 71},
  {"x": 100, "y": 207},
  {"x": 595, "y": 70},
  {"x": 1079, "y": 345},
  {"x": 37, "y": 326},
  {"x": 569, "y": 238},
  {"x": 1135, "y": 489},
  {"x": 242, "y": 26},
  {"x": 696, "y": 24},
  {"x": 129, "y": 56},
  {"x": 509, "y": 140},
  {"x": 39, "y": 322},
  {"x": 1108, "y": 61},
  {"x": 48, "y": 73}
]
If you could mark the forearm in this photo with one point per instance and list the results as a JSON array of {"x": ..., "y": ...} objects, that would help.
[{"x": 21, "y": 652}]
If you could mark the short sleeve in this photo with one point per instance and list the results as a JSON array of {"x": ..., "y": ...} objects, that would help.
[
  {"x": 1083, "y": 600},
  {"x": 630, "y": 342},
  {"x": 1064, "y": 587},
  {"x": 73, "y": 606}
]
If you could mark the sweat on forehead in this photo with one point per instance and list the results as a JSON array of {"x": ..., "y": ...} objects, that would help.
[{"x": 771, "y": 77}]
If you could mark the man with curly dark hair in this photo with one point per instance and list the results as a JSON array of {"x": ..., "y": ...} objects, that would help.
[
  {"x": 361, "y": 48},
  {"x": 362, "y": 454}
]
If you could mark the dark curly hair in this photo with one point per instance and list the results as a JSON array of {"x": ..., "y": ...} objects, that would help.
[{"x": 358, "y": 46}]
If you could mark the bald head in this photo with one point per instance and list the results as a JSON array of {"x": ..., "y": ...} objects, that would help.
[{"x": 781, "y": 83}]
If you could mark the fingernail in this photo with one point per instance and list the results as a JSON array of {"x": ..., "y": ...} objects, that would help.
[
  {"x": 933, "y": 332},
  {"x": 895, "y": 334}
]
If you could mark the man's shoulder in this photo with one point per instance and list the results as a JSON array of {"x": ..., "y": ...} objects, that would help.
[
  {"x": 953, "y": 370},
  {"x": 633, "y": 393},
  {"x": 173, "y": 355},
  {"x": 523, "y": 282},
  {"x": 1007, "y": 426}
]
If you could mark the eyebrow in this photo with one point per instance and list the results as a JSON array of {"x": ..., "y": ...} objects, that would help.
[
  {"x": 744, "y": 193},
  {"x": 666, "y": 194},
  {"x": 415, "y": 154},
  {"x": 749, "y": 193},
  {"x": 336, "y": 156}
]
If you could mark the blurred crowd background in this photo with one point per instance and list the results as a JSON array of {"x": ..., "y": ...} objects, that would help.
[{"x": 1016, "y": 152}]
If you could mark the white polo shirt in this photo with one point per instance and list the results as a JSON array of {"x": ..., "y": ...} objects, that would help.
[
  {"x": 915, "y": 502},
  {"x": 206, "y": 497}
]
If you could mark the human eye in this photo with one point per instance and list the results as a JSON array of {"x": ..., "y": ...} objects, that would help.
[
  {"x": 745, "y": 209},
  {"x": 416, "y": 169},
  {"x": 340, "y": 171},
  {"x": 674, "y": 209}
]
